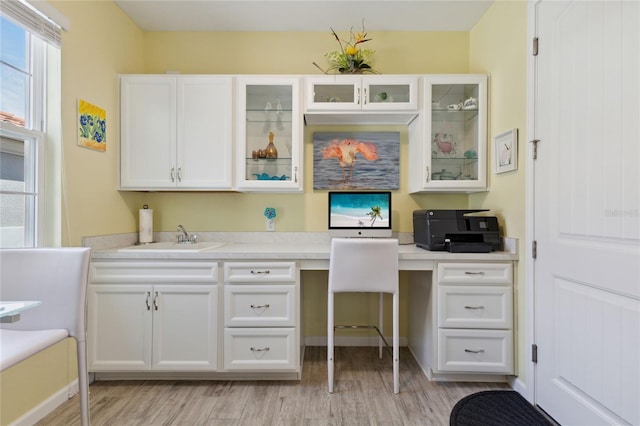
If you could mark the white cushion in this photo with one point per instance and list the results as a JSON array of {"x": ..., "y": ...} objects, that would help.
[{"x": 16, "y": 346}]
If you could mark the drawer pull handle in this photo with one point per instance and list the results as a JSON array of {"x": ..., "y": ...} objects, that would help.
[
  {"x": 147, "y": 301},
  {"x": 474, "y": 273},
  {"x": 265, "y": 349},
  {"x": 265, "y": 306},
  {"x": 474, "y": 307},
  {"x": 260, "y": 272},
  {"x": 474, "y": 351}
]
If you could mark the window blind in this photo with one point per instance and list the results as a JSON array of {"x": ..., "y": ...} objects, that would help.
[{"x": 35, "y": 21}]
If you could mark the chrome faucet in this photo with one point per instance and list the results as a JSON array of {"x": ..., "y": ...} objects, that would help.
[{"x": 186, "y": 238}]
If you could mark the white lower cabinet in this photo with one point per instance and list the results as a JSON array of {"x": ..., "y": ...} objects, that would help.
[
  {"x": 261, "y": 312},
  {"x": 474, "y": 317},
  {"x": 153, "y": 315}
]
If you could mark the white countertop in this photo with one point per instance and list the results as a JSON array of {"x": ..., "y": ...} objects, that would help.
[{"x": 280, "y": 246}]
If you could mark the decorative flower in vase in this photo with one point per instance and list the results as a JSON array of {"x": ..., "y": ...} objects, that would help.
[{"x": 351, "y": 58}]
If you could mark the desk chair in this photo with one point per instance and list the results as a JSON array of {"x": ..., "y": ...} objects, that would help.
[
  {"x": 364, "y": 265},
  {"x": 57, "y": 277}
]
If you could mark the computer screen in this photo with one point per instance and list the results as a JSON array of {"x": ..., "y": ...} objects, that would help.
[{"x": 360, "y": 214}]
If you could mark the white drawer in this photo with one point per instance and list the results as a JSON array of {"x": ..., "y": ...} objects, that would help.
[
  {"x": 480, "y": 351},
  {"x": 154, "y": 272},
  {"x": 259, "y": 272},
  {"x": 475, "y": 306},
  {"x": 475, "y": 273},
  {"x": 259, "y": 305},
  {"x": 259, "y": 349}
]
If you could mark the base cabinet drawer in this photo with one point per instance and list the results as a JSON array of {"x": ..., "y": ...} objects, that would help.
[
  {"x": 260, "y": 305},
  {"x": 259, "y": 349},
  {"x": 475, "y": 307},
  {"x": 475, "y": 273},
  {"x": 482, "y": 351}
]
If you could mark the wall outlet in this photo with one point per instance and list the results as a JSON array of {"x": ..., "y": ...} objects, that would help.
[{"x": 271, "y": 225}]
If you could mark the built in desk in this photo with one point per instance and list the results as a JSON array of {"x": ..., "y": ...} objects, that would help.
[{"x": 236, "y": 311}]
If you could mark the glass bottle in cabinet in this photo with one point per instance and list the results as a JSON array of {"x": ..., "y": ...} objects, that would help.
[
  {"x": 269, "y": 134},
  {"x": 454, "y": 138}
]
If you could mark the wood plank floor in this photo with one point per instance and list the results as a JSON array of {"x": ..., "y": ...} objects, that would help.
[{"x": 363, "y": 395}]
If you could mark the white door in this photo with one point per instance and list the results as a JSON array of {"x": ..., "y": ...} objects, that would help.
[
  {"x": 185, "y": 327},
  {"x": 587, "y": 212},
  {"x": 204, "y": 157},
  {"x": 119, "y": 327},
  {"x": 148, "y": 131}
]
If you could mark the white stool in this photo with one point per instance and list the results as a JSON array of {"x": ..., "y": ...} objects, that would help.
[{"x": 364, "y": 265}]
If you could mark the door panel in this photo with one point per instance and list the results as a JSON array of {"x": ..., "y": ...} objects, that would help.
[{"x": 587, "y": 212}]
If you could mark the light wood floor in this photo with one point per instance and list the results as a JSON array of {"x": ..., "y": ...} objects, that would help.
[{"x": 363, "y": 395}]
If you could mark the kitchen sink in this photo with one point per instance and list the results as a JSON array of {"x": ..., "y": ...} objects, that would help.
[{"x": 171, "y": 246}]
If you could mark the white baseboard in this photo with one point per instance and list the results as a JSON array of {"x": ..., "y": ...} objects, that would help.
[
  {"x": 521, "y": 387},
  {"x": 47, "y": 406},
  {"x": 350, "y": 341}
]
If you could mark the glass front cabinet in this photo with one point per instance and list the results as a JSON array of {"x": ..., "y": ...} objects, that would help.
[
  {"x": 452, "y": 154},
  {"x": 349, "y": 92},
  {"x": 269, "y": 134}
]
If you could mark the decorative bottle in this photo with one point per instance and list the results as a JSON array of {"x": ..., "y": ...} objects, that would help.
[{"x": 271, "y": 151}]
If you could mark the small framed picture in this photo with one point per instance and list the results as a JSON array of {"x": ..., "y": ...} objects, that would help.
[{"x": 505, "y": 151}]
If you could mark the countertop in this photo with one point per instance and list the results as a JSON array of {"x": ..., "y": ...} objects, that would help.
[{"x": 266, "y": 246}]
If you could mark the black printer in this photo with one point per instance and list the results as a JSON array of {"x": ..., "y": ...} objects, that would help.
[{"x": 454, "y": 231}]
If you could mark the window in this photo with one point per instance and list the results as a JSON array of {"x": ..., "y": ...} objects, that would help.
[
  {"x": 23, "y": 97},
  {"x": 20, "y": 176}
]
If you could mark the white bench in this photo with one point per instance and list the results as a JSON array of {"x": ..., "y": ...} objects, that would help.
[
  {"x": 18, "y": 345},
  {"x": 57, "y": 277}
]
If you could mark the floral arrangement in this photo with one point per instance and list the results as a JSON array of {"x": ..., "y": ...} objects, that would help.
[{"x": 351, "y": 58}]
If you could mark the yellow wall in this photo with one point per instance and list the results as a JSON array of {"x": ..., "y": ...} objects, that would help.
[
  {"x": 94, "y": 207},
  {"x": 25, "y": 385},
  {"x": 101, "y": 43},
  {"x": 498, "y": 47}
]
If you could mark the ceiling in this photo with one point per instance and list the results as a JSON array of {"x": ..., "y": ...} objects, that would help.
[{"x": 304, "y": 15}]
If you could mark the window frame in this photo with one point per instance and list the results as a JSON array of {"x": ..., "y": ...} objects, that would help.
[
  {"x": 34, "y": 214},
  {"x": 34, "y": 131}
]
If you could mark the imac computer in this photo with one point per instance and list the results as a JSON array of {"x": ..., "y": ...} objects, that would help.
[{"x": 360, "y": 214}]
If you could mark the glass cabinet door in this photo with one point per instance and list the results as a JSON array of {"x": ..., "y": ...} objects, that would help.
[
  {"x": 339, "y": 92},
  {"x": 456, "y": 126},
  {"x": 345, "y": 92},
  {"x": 269, "y": 134},
  {"x": 390, "y": 93}
]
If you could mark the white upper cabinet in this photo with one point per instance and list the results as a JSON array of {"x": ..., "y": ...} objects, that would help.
[
  {"x": 448, "y": 154},
  {"x": 269, "y": 111},
  {"x": 392, "y": 99},
  {"x": 176, "y": 132}
]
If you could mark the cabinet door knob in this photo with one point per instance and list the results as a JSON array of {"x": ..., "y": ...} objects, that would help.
[
  {"x": 173, "y": 174},
  {"x": 155, "y": 301},
  {"x": 147, "y": 301}
]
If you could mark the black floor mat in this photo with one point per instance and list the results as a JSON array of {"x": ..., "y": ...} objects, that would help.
[{"x": 496, "y": 408}]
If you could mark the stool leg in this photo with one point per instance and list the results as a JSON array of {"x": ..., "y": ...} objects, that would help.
[
  {"x": 380, "y": 324},
  {"x": 330, "y": 343},
  {"x": 83, "y": 381},
  {"x": 396, "y": 343}
]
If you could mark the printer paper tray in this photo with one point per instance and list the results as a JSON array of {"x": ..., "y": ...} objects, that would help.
[{"x": 467, "y": 247}]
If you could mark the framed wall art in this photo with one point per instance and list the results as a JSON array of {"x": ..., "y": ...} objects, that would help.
[
  {"x": 92, "y": 126},
  {"x": 356, "y": 160},
  {"x": 505, "y": 151}
]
